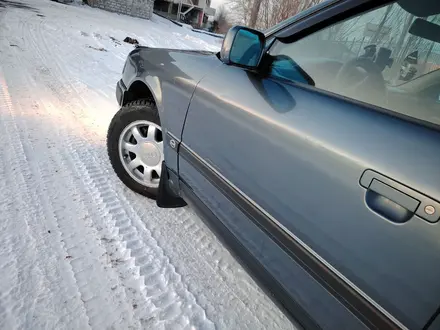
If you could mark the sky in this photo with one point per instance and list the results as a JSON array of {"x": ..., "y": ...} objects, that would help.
[{"x": 216, "y": 3}]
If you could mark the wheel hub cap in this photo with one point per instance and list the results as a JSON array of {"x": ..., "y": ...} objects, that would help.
[{"x": 149, "y": 154}]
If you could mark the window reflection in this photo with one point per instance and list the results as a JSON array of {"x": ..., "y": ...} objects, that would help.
[{"x": 377, "y": 57}]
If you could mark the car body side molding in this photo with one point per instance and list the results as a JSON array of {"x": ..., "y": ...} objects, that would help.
[
  {"x": 294, "y": 311},
  {"x": 353, "y": 298}
]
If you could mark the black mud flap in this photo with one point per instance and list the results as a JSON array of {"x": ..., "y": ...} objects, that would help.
[{"x": 165, "y": 197}]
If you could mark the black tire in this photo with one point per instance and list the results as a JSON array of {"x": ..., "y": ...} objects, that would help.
[{"x": 132, "y": 111}]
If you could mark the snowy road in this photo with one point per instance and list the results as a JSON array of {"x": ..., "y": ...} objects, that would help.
[{"x": 77, "y": 249}]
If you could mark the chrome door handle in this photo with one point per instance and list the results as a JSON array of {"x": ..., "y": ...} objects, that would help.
[
  {"x": 390, "y": 202},
  {"x": 395, "y": 201}
]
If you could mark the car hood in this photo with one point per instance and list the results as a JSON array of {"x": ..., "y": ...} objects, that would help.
[
  {"x": 186, "y": 51},
  {"x": 190, "y": 65}
]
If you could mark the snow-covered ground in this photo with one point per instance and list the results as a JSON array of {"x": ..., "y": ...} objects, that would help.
[{"x": 77, "y": 249}]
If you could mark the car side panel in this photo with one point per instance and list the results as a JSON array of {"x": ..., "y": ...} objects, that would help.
[
  {"x": 300, "y": 154},
  {"x": 321, "y": 306},
  {"x": 171, "y": 76}
]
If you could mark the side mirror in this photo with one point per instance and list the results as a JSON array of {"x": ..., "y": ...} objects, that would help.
[{"x": 243, "y": 47}]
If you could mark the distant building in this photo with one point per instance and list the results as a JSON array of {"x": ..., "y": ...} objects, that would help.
[
  {"x": 193, "y": 12},
  {"x": 137, "y": 8}
]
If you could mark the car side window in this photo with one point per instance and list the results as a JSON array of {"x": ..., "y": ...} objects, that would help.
[{"x": 386, "y": 57}]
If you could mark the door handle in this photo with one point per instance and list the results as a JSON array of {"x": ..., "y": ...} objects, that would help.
[
  {"x": 390, "y": 202},
  {"x": 395, "y": 201}
]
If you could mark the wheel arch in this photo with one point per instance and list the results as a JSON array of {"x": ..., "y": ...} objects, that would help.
[{"x": 148, "y": 88}]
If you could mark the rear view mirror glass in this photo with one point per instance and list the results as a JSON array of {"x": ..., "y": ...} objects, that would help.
[
  {"x": 246, "y": 49},
  {"x": 243, "y": 47}
]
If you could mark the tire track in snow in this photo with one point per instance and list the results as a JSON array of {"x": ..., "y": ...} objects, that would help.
[
  {"x": 202, "y": 259},
  {"x": 105, "y": 303},
  {"x": 30, "y": 208},
  {"x": 82, "y": 275},
  {"x": 166, "y": 295},
  {"x": 12, "y": 248},
  {"x": 159, "y": 287},
  {"x": 103, "y": 309}
]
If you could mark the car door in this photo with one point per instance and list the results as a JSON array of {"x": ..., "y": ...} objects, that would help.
[{"x": 342, "y": 179}]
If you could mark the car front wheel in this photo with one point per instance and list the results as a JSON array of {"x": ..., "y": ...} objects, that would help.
[{"x": 135, "y": 147}]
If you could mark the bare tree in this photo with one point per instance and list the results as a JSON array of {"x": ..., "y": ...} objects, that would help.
[
  {"x": 221, "y": 21},
  {"x": 262, "y": 14},
  {"x": 275, "y": 11},
  {"x": 239, "y": 11},
  {"x": 254, "y": 13},
  {"x": 306, "y": 4},
  {"x": 398, "y": 52},
  {"x": 381, "y": 25}
]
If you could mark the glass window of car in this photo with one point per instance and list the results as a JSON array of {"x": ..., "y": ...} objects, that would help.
[{"x": 386, "y": 57}]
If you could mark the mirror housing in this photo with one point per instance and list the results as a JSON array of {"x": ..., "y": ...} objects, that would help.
[{"x": 243, "y": 47}]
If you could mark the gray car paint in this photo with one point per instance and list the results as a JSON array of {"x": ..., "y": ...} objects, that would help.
[
  {"x": 300, "y": 155},
  {"x": 171, "y": 75},
  {"x": 323, "y": 308}
]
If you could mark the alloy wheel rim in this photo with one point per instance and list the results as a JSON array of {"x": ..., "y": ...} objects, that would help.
[{"x": 141, "y": 152}]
